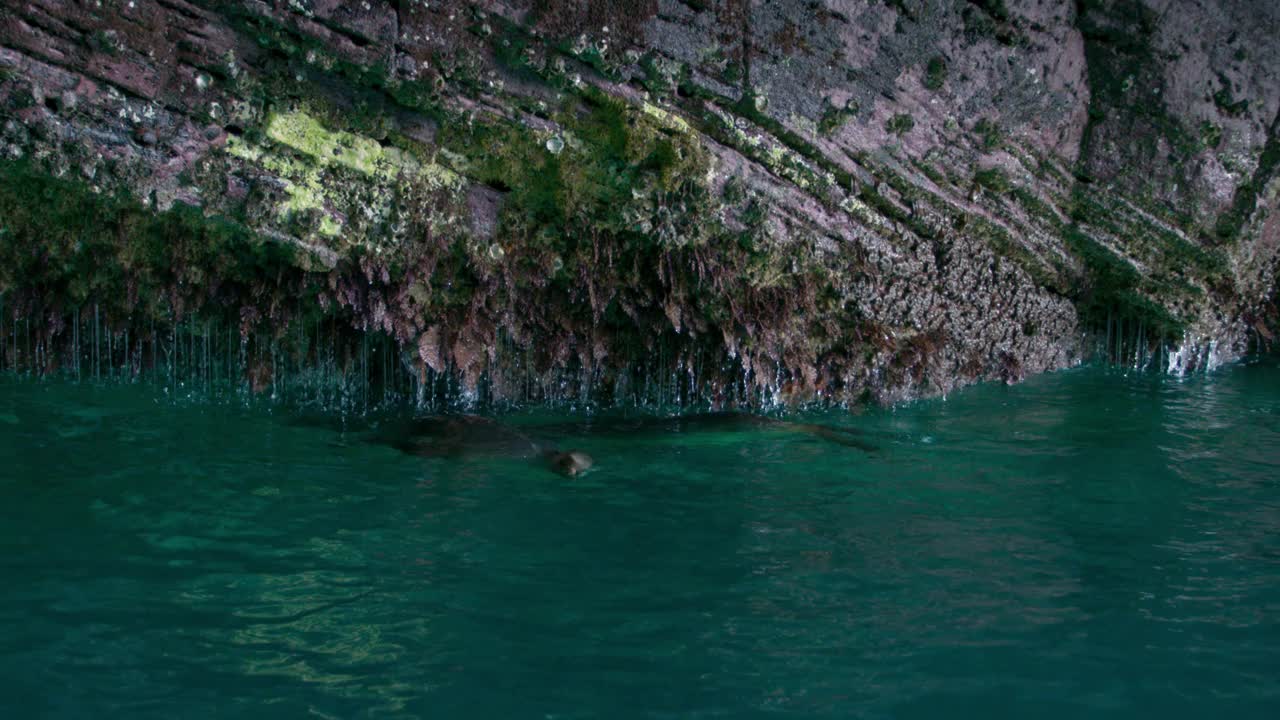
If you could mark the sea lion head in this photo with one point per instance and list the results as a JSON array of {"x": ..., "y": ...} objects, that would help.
[{"x": 571, "y": 463}]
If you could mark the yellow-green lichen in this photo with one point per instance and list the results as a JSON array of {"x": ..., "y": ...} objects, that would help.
[
  {"x": 304, "y": 133},
  {"x": 674, "y": 122},
  {"x": 302, "y": 182},
  {"x": 316, "y": 167}
]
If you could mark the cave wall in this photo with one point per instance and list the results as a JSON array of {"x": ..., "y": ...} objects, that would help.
[{"x": 836, "y": 199}]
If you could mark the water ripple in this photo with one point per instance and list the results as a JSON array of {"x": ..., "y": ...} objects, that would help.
[{"x": 1088, "y": 544}]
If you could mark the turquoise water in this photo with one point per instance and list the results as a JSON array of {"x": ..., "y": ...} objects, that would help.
[{"x": 1084, "y": 545}]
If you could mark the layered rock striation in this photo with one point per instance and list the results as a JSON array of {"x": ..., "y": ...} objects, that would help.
[{"x": 698, "y": 201}]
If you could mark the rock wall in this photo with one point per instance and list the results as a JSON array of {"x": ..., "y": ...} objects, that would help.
[{"x": 725, "y": 200}]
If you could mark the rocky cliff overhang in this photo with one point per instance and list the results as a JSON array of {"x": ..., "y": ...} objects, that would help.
[{"x": 698, "y": 201}]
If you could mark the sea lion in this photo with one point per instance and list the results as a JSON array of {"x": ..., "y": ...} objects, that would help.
[
  {"x": 460, "y": 436},
  {"x": 569, "y": 464},
  {"x": 454, "y": 436}
]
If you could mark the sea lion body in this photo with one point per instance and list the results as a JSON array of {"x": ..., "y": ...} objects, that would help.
[
  {"x": 570, "y": 464},
  {"x": 458, "y": 436},
  {"x": 454, "y": 436}
]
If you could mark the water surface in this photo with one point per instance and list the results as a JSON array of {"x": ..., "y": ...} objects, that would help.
[{"x": 1087, "y": 544}]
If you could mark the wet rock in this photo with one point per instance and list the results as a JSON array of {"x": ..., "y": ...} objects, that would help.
[
  {"x": 484, "y": 205},
  {"x": 863, "y": 199}
]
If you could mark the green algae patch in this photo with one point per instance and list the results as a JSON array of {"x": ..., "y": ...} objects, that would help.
[
  {"x": 305, "y": 134},
  {"x": 341, "y": 185},
  {"x": 64, "y": 245},
  {"x": 900, "y": 124},
  {"x": 1137, "y": 268},
  {"x": 104, "y": 278},
  {"x": 835, "y": 117},
  {"x": 935, "y": 73},
  {"x": 1114, "y": 289},
  {"x": 611, "y": 168},
  {"x": 989, "y": 133},
  {"x": 667, "y": 119},
  {"x": 1045, "y": 274},
  {"x": 303, "y": 183},
  {"x": 993, "y": 179}
]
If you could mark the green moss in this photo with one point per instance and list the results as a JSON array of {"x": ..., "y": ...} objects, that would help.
[
  {"x": 1226, "y": 101},
  {"x": 1210, "y": 134},
  {"x": 933, "y": 173},
  {"x": 593, "y": 58},
  {"x": 718, "y": 124},
  {"x": 104, "y": 42},
  {"x": 509, "y": 48},
  {"x": 873, "y": 199},
  {"x": 67, "y": 244},
  {"x": 341, "y": 185},
  {"x": 1111, "y": 286},
  {"x": 661, "y": 78},
  {"x": 1109, "y": 273},
  {"x": 667, "y": 120},
  {"x": 618, "y": 161},
  {"x": 833, "y": 118},
  {"x": 304, "y": 133},
  {"x": 988, "y": 133},
  {"x": 1176, "y": 266},
  {"x": 990, "y": 19},
  {"x": 900, "y": 124},
  {"x": 1036, "y": 207},
  {"x": 935, "y": 73},
  {"x": 1114, "y": 290},
  {"x": 993, "y": 179},
  {"x": 795, "y": 160},
  {"x": 1004, "y": 245}
]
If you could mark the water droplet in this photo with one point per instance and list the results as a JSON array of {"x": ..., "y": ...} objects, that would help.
[{"x": 555, "y": 145}]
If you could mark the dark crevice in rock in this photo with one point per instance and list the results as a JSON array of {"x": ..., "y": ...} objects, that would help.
[
  {"x": 341, "y": 30},
  {"x": 183, "y": 9}
]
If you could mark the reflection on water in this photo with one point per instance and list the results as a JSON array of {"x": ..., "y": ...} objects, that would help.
[{"x": 1086, "y": 544}]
